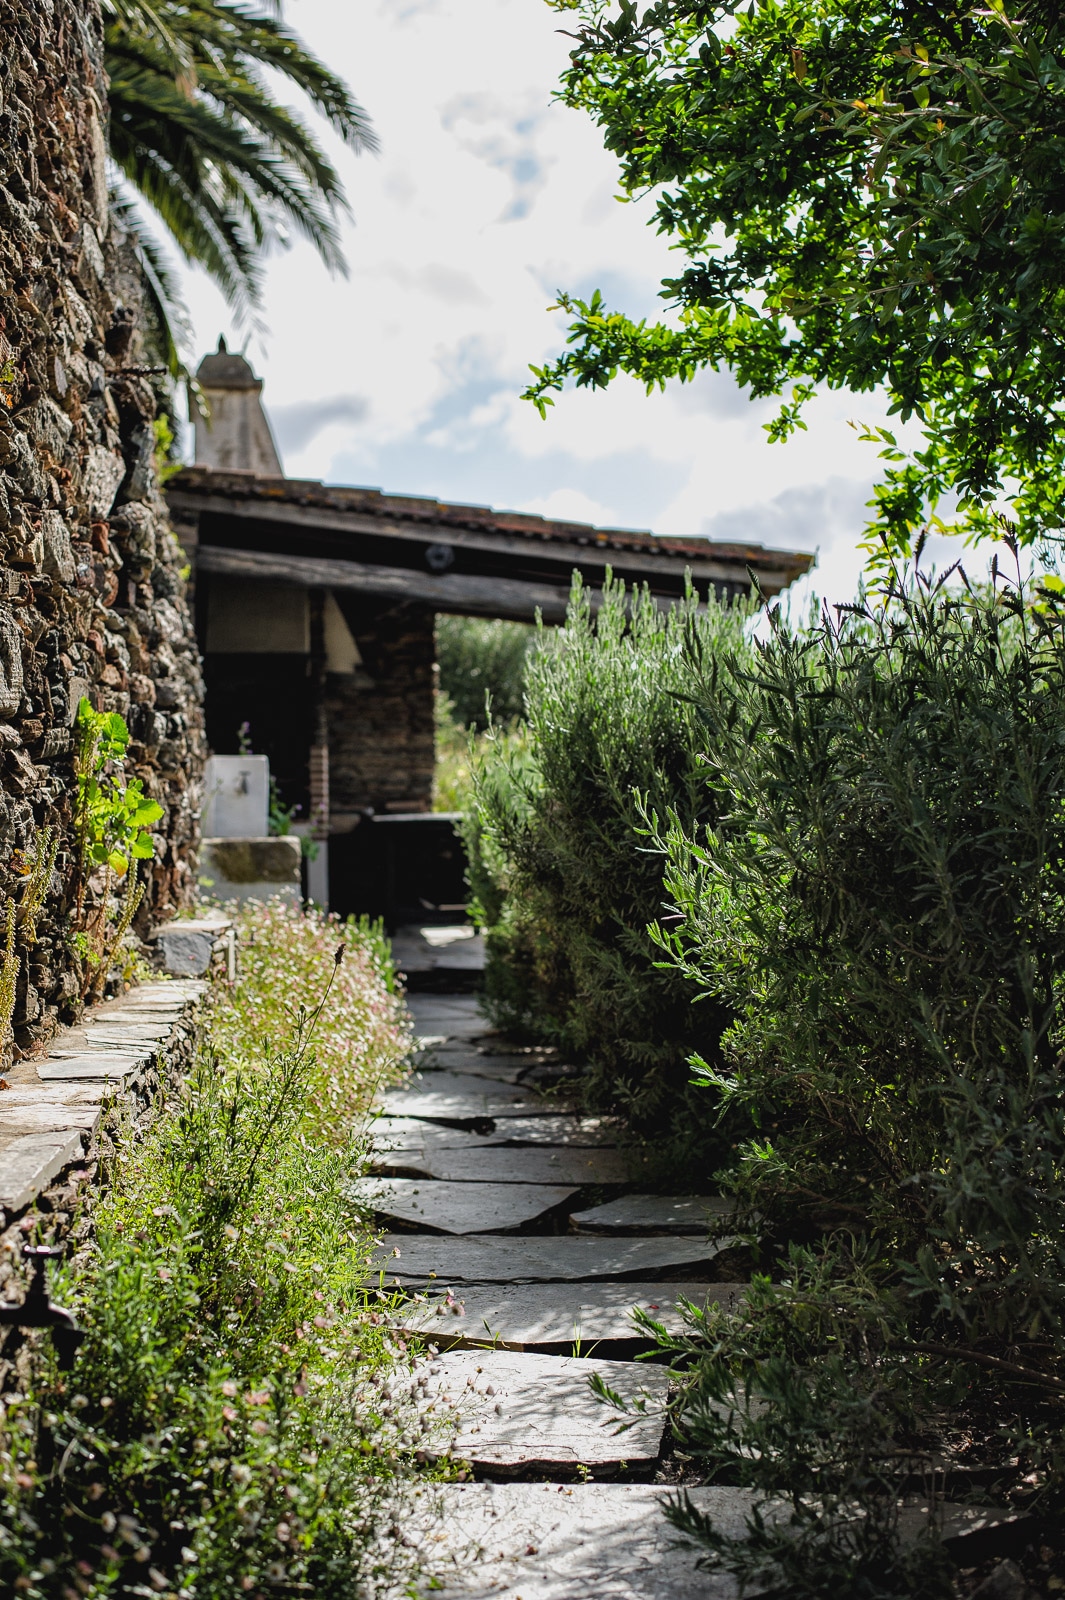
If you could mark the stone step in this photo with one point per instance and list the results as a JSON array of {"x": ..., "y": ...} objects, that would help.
[
  {"x": 655, "y": 1213},
  {"x": 411, "y": 1133},
  {"x": 550, "y": 1541},
  {"x": 459, "y": 1208},
  {"x": 421, "y": 1258},
  {"x": 608, "y": 1541},
  {"x": 460, "y": 1097},
  {"x": 518, "y": 1413},
  {"x": 554, "y": 1317},
  {"x": 493, "y": 1164}
]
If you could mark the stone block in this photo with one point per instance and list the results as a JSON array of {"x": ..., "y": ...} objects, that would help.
[
  {"x": 185, "y": 948},
  {"x": 421, "y": 1258},
  {"x": 251, "y": 869}
]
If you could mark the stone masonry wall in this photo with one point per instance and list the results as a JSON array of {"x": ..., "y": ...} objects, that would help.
[{"x": 91, "y": 579}]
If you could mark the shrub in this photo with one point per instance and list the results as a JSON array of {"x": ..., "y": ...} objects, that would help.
[
  {"x": 224, "y": 1428},
  {"x": 880, "y": 901},
  {"x": 563, "y": 875},
  {"x": 482, "y": 657}
]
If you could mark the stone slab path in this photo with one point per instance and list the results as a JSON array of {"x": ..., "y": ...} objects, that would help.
[
  {"x": 481, "y": 1165},
  {"x": 536, "y": 1412},
  {"x": 396, "y": 1133},
  {"x": 463, "y": 1097},
  {"x": 520, "y": 1247}
]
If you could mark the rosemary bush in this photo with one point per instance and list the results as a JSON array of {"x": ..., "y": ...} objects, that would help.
[
  {"x": 565, "y": 880},
  {"x": 208, "y": 1441},
  {"x": 881, "y": 903}
]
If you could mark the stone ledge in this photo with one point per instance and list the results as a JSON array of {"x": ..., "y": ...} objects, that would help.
[{"x": 61, "y": 1114}]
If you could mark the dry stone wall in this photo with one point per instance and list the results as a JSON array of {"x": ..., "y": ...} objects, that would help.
[{"x": 92, "y": 589}]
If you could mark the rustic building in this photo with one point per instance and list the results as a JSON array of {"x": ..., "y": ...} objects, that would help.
[
  {"x": 92, "y": 592},
  {"x": 316, "y": 609}
]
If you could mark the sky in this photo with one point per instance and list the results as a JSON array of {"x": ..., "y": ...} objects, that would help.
[{"x": 486, "y": 198}]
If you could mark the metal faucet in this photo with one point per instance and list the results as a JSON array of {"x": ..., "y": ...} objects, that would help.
[{"x": 38, "y": 1311}]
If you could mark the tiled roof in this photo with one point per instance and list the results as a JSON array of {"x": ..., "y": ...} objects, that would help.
[{"x": 442, "y": 514}]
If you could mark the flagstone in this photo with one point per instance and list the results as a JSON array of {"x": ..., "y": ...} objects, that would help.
[
  {"x": 46, "y": 1117},
  {"x": 497, "y": 1164},
  {"x": 460, "y": 1207},
  {"x": 29, "y": 1161},
  {"x": 456, "y": 1097},
  {"x": 501, "y": 1069},
  {"x": 655, "y": 1213},
  {"x": 420, "y": 1258},
  {"x": 520, "y": 1411},
  {"x": 604, "y": 1541},
  {"x": 551, "y": 1541},
  {"x": 112, "y": 1064},
  {"x": 397, "y": 1133},
  {"x": 559, "y": 1316}
]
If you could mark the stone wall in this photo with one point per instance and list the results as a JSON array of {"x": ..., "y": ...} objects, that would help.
[
  {"x": 91, "y": 579},
  {"x": 380, "y": 720}
]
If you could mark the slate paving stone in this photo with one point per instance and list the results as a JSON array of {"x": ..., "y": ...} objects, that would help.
[
  {"x": 500, "y": 1069},
  {"x": 46, "y": 1117},
  {"x": 456, "y": 1097},
  {"x": 549, "y": 1541},
  {"x": 521, "y": 1411},
  {"x": 598, "y": 1541},
  {"x": 555, "y": 1316},
  {"x": 102, "y": 1065},
  {"x": 30, "y": 1160},
  {"x": 555, "y": 1259},
  {"x": 495, "y": 1164},
  {"x": 396, "y": 1133},
  {"x": 130, "y": 1028},
  {"x": 460, "y": 1208},
  {"x": 655, "y": 1213},
  {"x": 57, "y": 1094}
]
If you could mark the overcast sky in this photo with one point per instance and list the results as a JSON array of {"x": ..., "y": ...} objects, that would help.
[{"x": 486, "y": 198}]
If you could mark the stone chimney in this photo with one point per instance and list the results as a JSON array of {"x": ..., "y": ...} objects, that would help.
[{"x": 237, "y": 437}]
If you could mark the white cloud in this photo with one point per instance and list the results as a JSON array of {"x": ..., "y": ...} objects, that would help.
[{"x": 486, "y": 198}]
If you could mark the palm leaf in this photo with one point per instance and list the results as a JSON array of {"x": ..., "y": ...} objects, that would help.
[{"x": 198, "y": 132}]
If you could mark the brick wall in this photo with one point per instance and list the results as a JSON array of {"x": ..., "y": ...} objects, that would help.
[
  {"x": 381, "y": 750},
  {"x": 91, "y": 588}
]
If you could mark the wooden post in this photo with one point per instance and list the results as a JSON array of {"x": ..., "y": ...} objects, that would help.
[{"x": 318, "y": 868}]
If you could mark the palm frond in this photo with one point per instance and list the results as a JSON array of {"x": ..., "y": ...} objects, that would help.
[{"x": 199, "y": 133}]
